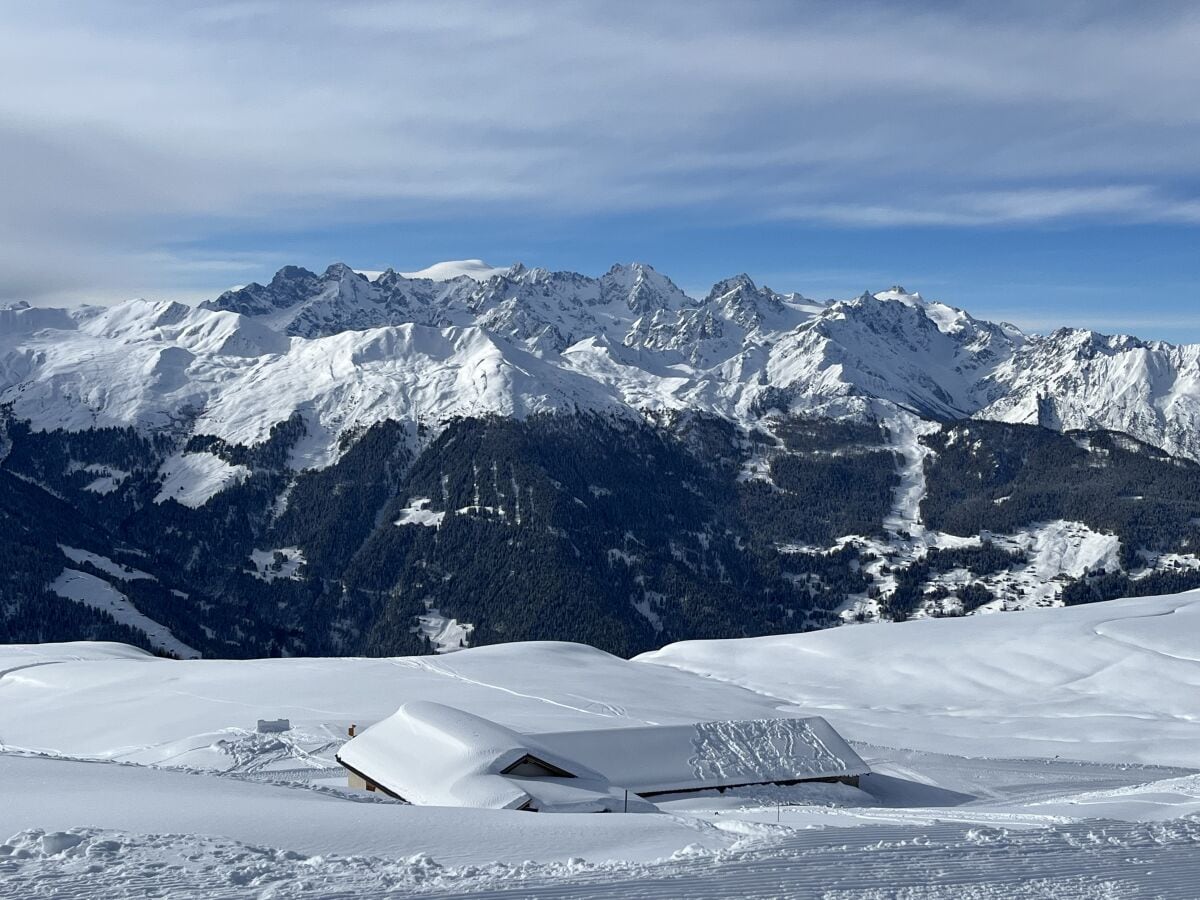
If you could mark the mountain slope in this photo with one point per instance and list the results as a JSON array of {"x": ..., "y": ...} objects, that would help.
[
  {"x": 346, "y": 352},
  {"x": 340, "y": 464}
]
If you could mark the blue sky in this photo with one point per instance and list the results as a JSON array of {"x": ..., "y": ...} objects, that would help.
[{"x": 1035, "y": 164}]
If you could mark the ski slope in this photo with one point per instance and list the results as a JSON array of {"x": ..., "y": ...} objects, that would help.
[{"x": 1038, "y": 754}]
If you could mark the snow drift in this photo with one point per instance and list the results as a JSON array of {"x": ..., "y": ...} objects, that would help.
[{"x": 1111, "y": 682}]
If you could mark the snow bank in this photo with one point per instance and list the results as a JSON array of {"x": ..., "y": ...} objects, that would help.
[
  {"x": 297, "y": 843},
  {"x": 20, "y": 656},
  {"x": 202, "y": 713},
  {"x": 55, "y": 795},
  {"x": 1110, "y": 682}
]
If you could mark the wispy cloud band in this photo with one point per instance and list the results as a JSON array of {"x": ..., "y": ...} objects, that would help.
[{"x": 126, "y": 125}]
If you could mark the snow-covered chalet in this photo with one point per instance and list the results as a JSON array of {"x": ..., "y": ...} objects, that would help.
[{"x": 435, "y": 755}]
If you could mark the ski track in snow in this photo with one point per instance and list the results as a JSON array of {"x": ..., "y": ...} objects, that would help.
[
  {"x": 1104, "y": 629},
  {"x": 605, "y": 709},
  {"x": 906, "y": 431}
]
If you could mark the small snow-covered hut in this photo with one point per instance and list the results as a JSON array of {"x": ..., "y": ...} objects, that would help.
[{"x": 436, "y": 755}]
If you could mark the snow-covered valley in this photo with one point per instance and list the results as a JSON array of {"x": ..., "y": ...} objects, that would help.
[{"x": 1044, "y": 753}]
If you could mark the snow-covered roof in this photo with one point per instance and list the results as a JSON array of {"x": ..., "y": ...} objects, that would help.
[
  {"x": 662, "y": 758},
  {"x": 432, "y": 754},
  {"x": 435, "y": 755}
]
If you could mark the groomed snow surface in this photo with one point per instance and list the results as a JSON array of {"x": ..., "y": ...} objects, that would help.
[{"x": 1039, "y": 754}]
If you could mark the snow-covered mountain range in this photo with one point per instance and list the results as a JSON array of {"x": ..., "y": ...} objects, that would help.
[
  {"x": 460, "y": 339},
  {"x": 337, "y": 463}
]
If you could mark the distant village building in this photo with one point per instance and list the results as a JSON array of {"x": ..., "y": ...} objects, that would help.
[{"x": 431, "y": 754}]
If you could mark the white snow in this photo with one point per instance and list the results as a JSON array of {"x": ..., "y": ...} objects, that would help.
[
  {"x": 974, "y": 730},
  {"x": 108, "y": 480},
  {"x": 1105, "y": 860},
  {"x": 104, "y": 564},
  {"x": 1069, "y": 548},
  {"x": 530, "y": 687},
  {"x": 89, "y": 590},
  {"x": 308, "y": 820},
  {"x": 1055, "y": 549},
  {"x": 906, "y": 431},
  {"x": 1056, "y": 552},
  {"x": 435, "y": 755},
  {"x": 267, "y": 567},
  {"x": 1107, "y": 682},
  {"x": 353, "y": 354},
  {"x": 444, "y": 633},
  {"x": 1165, "y": 562},
  {"x": 664, "y": 758},
  {"x": 195, "y": 478},
  {"x": 418, "y": 513}
]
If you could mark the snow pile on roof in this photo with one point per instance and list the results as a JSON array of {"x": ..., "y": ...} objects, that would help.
[
  {"x": 663, "y": 758},
  {"x": 431, "y": 754},
  {"x": 435, "y": 755}
]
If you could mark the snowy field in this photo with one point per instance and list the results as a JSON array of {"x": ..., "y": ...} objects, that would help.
[{"x": 1039, "y": 754}]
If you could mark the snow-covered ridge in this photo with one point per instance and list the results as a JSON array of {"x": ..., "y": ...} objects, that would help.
[
  {"x": 466, "y": 339},
  {"x": 1084, "y": 682}
]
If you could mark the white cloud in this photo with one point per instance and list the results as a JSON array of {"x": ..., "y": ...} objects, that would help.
[
  {"x": 126, "y": 126},
  {"x": 1123, "y": 203}
]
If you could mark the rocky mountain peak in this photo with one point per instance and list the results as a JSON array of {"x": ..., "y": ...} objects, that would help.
[{"x": 459, "y": 345}]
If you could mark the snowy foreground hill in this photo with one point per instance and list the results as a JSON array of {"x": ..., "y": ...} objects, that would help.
[
  {"x": 334, "y": 464},
  {"x": 1039, "y": 754}
]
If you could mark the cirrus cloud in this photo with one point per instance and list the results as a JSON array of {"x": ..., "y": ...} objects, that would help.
[{"x": 128, "y": 128}]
